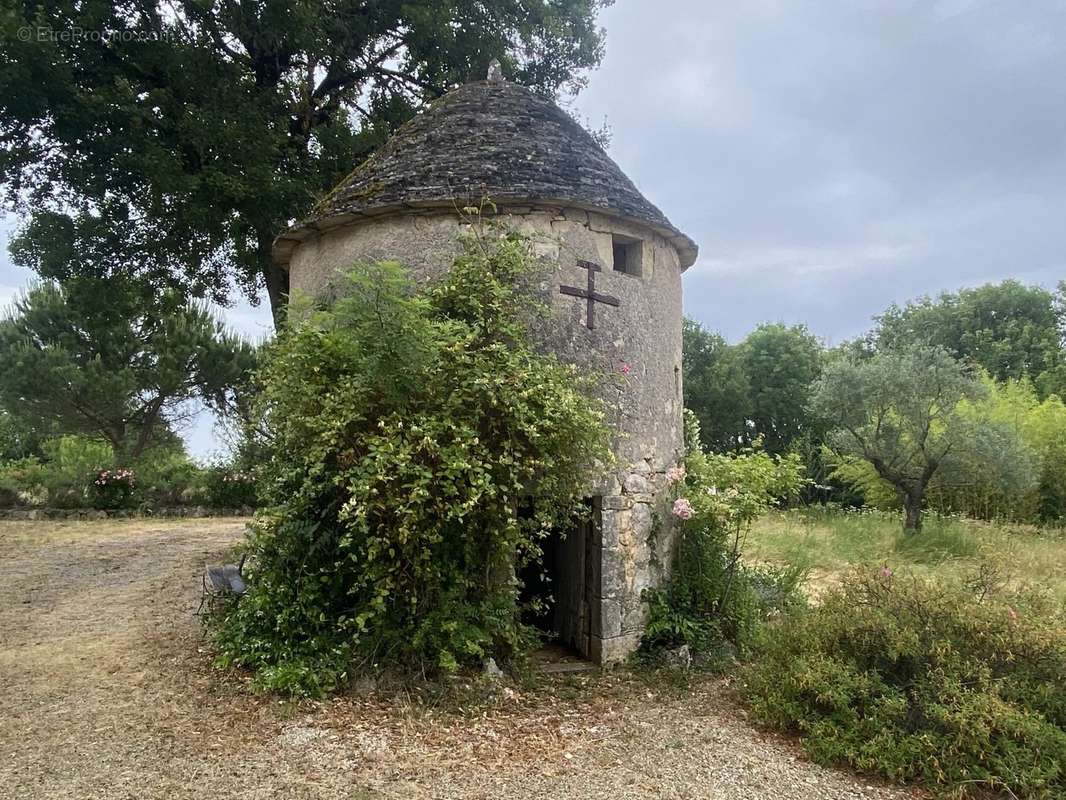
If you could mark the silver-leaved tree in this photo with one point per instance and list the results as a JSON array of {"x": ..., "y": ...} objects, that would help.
[{"x": 900, "y": 412}]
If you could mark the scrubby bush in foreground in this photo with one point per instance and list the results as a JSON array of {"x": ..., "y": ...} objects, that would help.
[
  {"x": 954, "y": 687},
  {"x": 419, "y": 448}
]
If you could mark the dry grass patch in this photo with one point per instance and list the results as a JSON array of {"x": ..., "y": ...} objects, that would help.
[{"x": 107, "y": 691}]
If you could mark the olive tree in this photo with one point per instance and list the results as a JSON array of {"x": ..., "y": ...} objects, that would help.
[{"x": 900, "y": 412}]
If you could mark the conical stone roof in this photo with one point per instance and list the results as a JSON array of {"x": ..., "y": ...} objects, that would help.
[{"x": 490, "y": 139}]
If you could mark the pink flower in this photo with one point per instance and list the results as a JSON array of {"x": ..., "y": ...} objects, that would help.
[
  {"x": 683, "y": 508},
  {"x": 675, "y": 474},
  {"x": 625, "y": 369},
  {"x": 884, "y": 572}
]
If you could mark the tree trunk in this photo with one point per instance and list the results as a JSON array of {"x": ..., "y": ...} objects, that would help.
[
  {"x": 276, "y": 279},
  {"x": 912, "y": 512},
  {"x": 277, "y": 286},
  {"x": 117, "y": 438}
]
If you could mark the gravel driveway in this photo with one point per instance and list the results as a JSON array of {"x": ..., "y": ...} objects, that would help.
[{"x": 106, "y": 691}]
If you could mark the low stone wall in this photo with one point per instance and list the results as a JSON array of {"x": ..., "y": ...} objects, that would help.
[{"x": 121, "y": 513}]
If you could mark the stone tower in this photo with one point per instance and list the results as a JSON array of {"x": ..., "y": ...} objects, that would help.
[{"x": 616, "y": 291}]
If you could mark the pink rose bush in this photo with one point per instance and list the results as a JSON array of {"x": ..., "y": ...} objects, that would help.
[
  {"x": 683, "y": 508},
  {"x": 113, "y": 488},
  {"x": 113, "y": 477},
  {"x": 713, "y": 599}
]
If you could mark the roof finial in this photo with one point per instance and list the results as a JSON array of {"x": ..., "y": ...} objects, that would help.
[{"x": 495, "y": 71}]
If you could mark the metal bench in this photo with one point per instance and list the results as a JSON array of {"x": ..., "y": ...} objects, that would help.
[{"x": 223, "y": 580}]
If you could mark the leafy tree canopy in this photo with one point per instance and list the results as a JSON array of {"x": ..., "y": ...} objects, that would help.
[
  {"x": 101, "y": 358},
  {"x": 178, "y": 141},
  {"x": 781, "y": 363},
  {"x": 717, "y": 389},
  {"x": 17, "y": 440},
  {"x": 753, "y": 391},
  {"x": 1012, "y": 330}
]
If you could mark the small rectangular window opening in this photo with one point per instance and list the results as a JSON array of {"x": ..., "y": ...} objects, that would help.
[{"x": 627, "y": 254}]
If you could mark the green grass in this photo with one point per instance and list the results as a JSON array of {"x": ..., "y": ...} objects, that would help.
[{"x": 826, "y": 542}]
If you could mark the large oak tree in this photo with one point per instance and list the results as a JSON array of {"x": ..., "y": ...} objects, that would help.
[{"x": 176, "y": 140}]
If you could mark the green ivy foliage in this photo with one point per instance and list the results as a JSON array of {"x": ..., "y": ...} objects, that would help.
[
  {"x": 958, "y": 687},
  {"x": 419, "y": 447}
]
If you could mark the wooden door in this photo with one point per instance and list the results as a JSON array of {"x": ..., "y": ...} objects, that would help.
[{"x": 576, "y": 566}]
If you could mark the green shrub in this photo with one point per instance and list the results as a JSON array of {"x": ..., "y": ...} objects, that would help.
[
  {"x": 61, "y": 478},
  {"x": 954, "y": 687},
  {"x": 72, "y": 465},
  {"x": 166, "y": 476},
  {"x": 713, "y": 602},
  {"x": 404, "y": 432},
  {"x": 24, "y": 483},
  {"x": 79, "y": 472},
  {"x": 113, "y": 488},
  {"x": 228, "y": 487}
]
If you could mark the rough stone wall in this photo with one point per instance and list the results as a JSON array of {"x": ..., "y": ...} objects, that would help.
[{"x": 640, "y": 341}]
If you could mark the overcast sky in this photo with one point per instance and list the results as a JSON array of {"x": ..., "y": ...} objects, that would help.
[{"x": 832, "y": 157}]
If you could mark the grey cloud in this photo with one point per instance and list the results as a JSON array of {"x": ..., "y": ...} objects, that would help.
[{"x": 831, "y": 158}]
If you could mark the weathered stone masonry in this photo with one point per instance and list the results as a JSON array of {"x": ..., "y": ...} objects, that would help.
[{"x": 551, "y": 181}]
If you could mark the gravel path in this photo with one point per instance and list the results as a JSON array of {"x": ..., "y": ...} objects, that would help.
[{"x": 106, "y": 691}]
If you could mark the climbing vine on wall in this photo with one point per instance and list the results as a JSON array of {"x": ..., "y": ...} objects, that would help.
[
  {"x": 419, "y": 448},
  {"x": 713, "y": 603}
]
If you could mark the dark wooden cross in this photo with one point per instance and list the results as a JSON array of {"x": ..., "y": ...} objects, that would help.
[{"x": 590, "y": 293}]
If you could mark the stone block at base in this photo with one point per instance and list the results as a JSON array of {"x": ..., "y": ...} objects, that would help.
[{"x": 614, "y": 649}]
